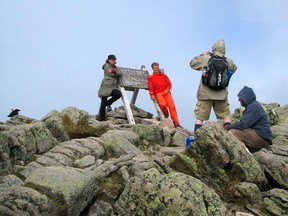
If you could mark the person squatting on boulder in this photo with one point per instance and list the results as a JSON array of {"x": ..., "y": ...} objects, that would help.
[
  {"x": 209, "y": 95},
  {"x": 109, "y": 87},
  {"x": 159, "y": 89},
  {"x": 253, "y": 129}
]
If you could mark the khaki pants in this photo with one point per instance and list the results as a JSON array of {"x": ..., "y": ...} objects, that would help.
[
  {"x": 203, "y": 109},
  {"x": 250, "y": 138}
]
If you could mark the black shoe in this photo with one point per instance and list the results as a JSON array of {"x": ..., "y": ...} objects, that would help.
[
  {"x": 99, "y": 119},
  {"x": 109, "y": 108},
  {"x": 197, "y": 126},
  {"x": 226, "y": 125}
]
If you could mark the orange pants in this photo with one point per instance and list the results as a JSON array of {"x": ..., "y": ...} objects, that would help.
[{"x": 166, "y": 101}]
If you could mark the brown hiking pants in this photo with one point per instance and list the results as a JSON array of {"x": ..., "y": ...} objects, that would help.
[{"x": 250, "y": 138}]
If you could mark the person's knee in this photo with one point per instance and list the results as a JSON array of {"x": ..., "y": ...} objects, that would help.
[
  {"x": 164, "y": 108},
  {"x": 103, "y": 100},
  {"x": 225, "y": 115},
  {"x": 162, "y": 104},
  {"x": 238, "y": 134},
  {"x": 118, "y": 93}
]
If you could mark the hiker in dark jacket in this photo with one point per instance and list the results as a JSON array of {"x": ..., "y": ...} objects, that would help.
[
  {"x": 253, "y": 129},
  {"x": 109, "y": 86}
]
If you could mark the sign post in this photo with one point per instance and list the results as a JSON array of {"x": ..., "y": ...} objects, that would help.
[{"x": 133, "y": 80}]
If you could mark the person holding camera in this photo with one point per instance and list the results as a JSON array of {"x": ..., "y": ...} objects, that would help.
[{"x": 208, "y": 97}]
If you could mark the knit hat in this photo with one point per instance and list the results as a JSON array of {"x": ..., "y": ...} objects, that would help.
[{"x": 111, "y": 57}]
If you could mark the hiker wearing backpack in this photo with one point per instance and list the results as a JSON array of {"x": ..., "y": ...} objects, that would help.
[
  {"x": 213, "y": 89},
  {"x": 253, "y": 129},
  {"x": 159, "y": 89},
  {"x": 109, "y": 87}
]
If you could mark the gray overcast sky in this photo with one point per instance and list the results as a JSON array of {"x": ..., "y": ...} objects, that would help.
[{"x": 51, "y": 52}]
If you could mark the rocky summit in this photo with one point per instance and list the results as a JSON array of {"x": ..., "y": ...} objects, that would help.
[{"x": 68, "y": 163}]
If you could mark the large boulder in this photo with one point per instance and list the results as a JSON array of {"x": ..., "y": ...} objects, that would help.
[
  {"x": 272, "y": 115},
  {"x": 69, "y": 154},
  {"x": 280, "y": 129},
  {"x": 274, "y": 168},
  {"x": 20, "y": 143},
  {"x": 72, "y": 189},
  {"x": 151, "y": 133},
  {"x": 179, "y": 138},
  {"x": 219, "y": 160},
  {"x": 248, "y": 191},
  {"x": 273, "y": 202},
  {"x": 78, "y": 124},
  {"x": 54, "y": 123},
  {"x": 153, "y": 193},
  {"x": 20, "y": 120},
  {"x": 19, "y": 200},
  {"x": 115, "y": 147},
  {"x": 137, "y": 112},
  {"x": 129, "y": 135}
]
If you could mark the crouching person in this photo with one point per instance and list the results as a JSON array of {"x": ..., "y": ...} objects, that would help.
[{"x": 253, "y": 129}]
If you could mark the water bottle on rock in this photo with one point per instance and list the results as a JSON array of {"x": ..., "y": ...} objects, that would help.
[{"x": 189, "y": 140}]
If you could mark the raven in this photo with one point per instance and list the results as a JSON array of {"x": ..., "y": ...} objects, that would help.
[{"x": 14, "y": 112}]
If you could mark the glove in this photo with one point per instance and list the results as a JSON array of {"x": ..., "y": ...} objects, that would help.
[
  {"x": 113, "y": 70},
  {"x": 227, "y": 125}
]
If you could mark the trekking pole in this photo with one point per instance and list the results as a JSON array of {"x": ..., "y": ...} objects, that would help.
[{"x": 159, "y": 111}]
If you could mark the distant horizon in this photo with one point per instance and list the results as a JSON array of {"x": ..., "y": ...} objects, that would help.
[
  {"x": 52, "y": 52},
  {"x": 154, "y": 115}
]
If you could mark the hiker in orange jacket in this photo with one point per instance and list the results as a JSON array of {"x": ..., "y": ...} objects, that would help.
[{"x": 159, "y": 89}]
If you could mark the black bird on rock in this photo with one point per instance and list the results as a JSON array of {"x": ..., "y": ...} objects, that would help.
[{"x": 14, "y": 112}]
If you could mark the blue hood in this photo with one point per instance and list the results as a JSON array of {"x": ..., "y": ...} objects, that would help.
[{"x": 247, "y": 95}]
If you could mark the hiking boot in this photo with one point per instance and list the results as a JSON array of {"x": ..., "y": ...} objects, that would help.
[
  {"x": 109, "y": 108},
  {"x": 197, "y": 126},
  {"x": 99, "y": 119},
  {"x": 178, "y": 126}
]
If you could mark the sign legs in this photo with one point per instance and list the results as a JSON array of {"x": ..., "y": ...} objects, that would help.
[{"x": 127, "y": 106}]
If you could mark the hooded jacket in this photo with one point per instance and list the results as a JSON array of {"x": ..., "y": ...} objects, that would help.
[
  {"x": 158, "y": 82},
  {"x": 254, "y": 115},
  {"x": 109, "y": 82},
  {"x": 201, "y": 62}
]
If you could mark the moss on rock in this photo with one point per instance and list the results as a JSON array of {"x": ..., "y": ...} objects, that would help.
[{"x": 170, "y": 194}]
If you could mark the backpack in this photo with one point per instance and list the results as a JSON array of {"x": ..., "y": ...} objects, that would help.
[{"x": 216, "y": 76}]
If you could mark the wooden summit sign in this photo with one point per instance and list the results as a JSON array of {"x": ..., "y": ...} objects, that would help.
[{"x": 133, "y": 78}]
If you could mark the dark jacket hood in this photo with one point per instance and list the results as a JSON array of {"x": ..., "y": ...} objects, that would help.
[
  {"x": 219, "y": 48},
  {"x": 247, "y": 95}
]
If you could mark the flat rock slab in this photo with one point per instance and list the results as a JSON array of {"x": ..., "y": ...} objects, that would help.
[{"x": 72, "y": 188}]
